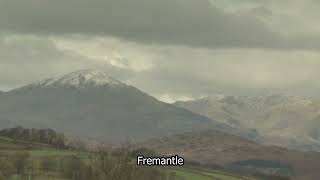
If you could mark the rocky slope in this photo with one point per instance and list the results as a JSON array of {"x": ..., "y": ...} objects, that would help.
[{"x": 284, "y": 120}]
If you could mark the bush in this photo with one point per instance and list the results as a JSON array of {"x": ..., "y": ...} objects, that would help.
[
  {"x": 6, "y": 167},
  {"x": 70, "y": 166},
  {"x": 76, "y": 169},
  {"x": 19, "y": 161},
  {"x": 48, "y": 164}
]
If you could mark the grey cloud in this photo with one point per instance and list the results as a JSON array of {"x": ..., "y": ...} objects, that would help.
[
  {"x": 25, "y": 59},
  {"x": 159, "y": 70},
  {"x": 289, "y": 17},
  {"x": 231, "y": 72},
  {"x": 30, "y": 50},
  {"x": 177, "y": 22}
]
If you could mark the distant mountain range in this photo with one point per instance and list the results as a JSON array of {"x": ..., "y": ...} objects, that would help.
[
  {"x": 90, "y": 103},
  {"x": 282, "y": 120},
  {"x": 217, "y": 148}
]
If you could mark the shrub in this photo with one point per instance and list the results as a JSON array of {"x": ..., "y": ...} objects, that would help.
[
  {"x": 19, "y": 161},
  {"x": 48, "y": 164}
]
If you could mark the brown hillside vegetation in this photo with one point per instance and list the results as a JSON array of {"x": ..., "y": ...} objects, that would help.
[{"x": 217, "y": 148}]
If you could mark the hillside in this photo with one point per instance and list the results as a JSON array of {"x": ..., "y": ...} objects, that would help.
[
  {"x": 90, "y": 103},
  {"x": 216, "y": 148},
  {"x": 283, "y": 120}
]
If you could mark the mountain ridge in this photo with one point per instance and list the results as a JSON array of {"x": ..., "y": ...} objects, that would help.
[
  {"x": 283, "y": 120},
  {"x": 80, "y": 78},
  {"x": 82, "y": 104}
]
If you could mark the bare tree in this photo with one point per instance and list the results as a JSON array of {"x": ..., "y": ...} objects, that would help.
[
  {"x": 6, "y": 167},
  {"x": 3, "y": 162},
  {"x": 20, "y": 161},
  {"x": 118, "y": 164}
]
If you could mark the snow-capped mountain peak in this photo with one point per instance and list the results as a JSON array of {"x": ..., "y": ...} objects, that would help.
[{"x": 82, "y": 78}]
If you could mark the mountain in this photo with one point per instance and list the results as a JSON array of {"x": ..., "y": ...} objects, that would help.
[
  {"x": 283, "y": 120},
  {"x": 213, "y": 148},
  {"x": 91, "y": 103}
]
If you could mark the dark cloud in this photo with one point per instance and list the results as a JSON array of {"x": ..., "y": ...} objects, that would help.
[
  {"x": 177, "y": 72},
  {"x": 32, "y": 50},
  {"x": 28, "y": 59},
  {"x": 192, "y": 73},
  {"x": 180, "y": 22}
]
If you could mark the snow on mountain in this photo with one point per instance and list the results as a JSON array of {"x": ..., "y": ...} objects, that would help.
[
  {"x": 294, "y": 119},
  {"x": 82, "y": 78}
]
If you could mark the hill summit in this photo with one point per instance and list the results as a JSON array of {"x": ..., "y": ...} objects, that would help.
[{"x": 81, "y": 78}]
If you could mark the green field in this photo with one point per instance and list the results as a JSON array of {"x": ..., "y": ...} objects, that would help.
[
  {"x": 38, "y": 152},
  {"x": 204, "y": 174}
]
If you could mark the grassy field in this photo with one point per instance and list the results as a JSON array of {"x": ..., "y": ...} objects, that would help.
[
  {"x": 205, "y": 174},
  {"x": 38, "y": 152}
]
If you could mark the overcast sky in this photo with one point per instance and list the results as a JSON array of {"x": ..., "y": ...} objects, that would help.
[{"x": 172, "y": 49}]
